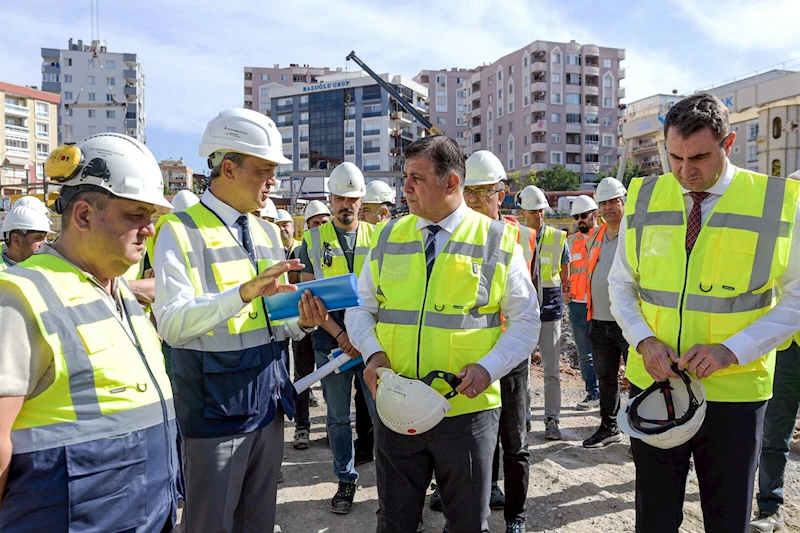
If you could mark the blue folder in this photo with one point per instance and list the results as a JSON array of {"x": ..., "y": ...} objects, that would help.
[{"x": 338, "y": 292}]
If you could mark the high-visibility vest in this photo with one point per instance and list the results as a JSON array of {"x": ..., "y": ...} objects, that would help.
[
  {"x": 550, "y": 250},
  {"x": 593, "y": 246},
  {"x": 295, "y": 243},
  {"x": 728, "y": 281},
  {"x": 217, "y": 262},
  {"x": 3, "y": 264},
  {"x": 788, "y": 342},
  {"x": 526, "y": 238},
  {"x": 452, "y": 319},
  {"x": 105, "y": 384},
  {"x": 578, "y": 268},
  {"x": 323, "y": 238}
]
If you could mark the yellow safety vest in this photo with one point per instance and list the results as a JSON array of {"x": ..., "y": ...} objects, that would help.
[
  {"x": 292, "y": 247},
  {"x": 322, "y": 243},
  {"x": 729, "y": 279},
  {"x": 105, "y": 385},
  {"x": 551, "y": 247},
  {"x": 452, "y": 321},
  {"x": 218, "y": 262}
]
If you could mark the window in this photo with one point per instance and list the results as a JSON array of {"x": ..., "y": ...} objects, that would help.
[
  {"x": 91, "y": 62},
  {"x": 573, "y": 59},
  {"x": 489, "y": 134},
  {"x": 511, "y": 126},
  {"x": 555, "y": 98},
  {"x": 555, "y": 78},
  {"x": 92, "y": 113},
  {"x": 111, "y": 129},
  {"x": 441, "y": 120},
  {"x": 459, "y": 108},
  {"x": 284, "y": 77},
  {"x": 499, "y": 93},
  {"x": 556, "y": 57},
  {"x": 510, "y": 163},
  {"x": 111, "y": 114},
  {"x": 111, "y": 65},
  {"x": 574, "y": 98},
  {"x": 776, "y": 133},
  {"x": 69, "y": 112},
  {"x": 459, "y": 81},
  {"x": 606, "y": 121},
  {"x": 42, "y": 149},
  {"x": 555, "y": 138},
  {"x": 500, "y": 148},
  {"x": 511, "y": 107},
  {"x": 441, "y": 80},
  {"x": 573, "y": 118},
  {"x": 510, "y": 145},
  {"x": 573, "y": 78},
  {"x": 40, "y": 171},
  {"x": 490, "y": 80},
  {"x": 92, "y": 97},
  {"x": 67, "y": 95},
  {"x": 499, "y": 111},
  {"x": 526, "y": 101},
  {"x": 263, "y": 92},
  {"x": 92, "y": 130},
  {"x": 591, "y": 158},
  {"x": 525, "y": 140},
  {"x": 459, "y": 121},
  {"x": 555, "y": 118},
  {"x": 43, "y": 130},
  {"x": 67, "y": 78},
  {"x": 526, "y": 80},
  {"x": 752, "y": 132},
  {"x": 461, "y": 94},
  {"x": 776, "y": 167},
  {"x": 69, "y": 61},
  {"x": 608, "y": 140},
  {"x": 527, "y": 120},
  {"x": 510, "y": 88},
  {"x": 491, "y": 98},
  {"x": 51, "y": 77},
  {"x": 556, "y": 158},
  {"x": 19, "y": 144},
  {"x": 304, "y": 99},
  {"x": 490, "y": 115},
  {"x": 109, "y": 97},
  {"x": 510, "y": 70},
  {"x": 265, "y": 77},
  {"x": 607, "y": 82},
  {"x": 608, "y": 160},
  {"x": 90, "y": 80},
  {"x": 525, "y": 61},
  {"x": 752, "y": 152},
  {"x": 591, "y": 139},
  {"x": 526, "y": 159},
  {"x": 606, "y": 63},
  {"x": 500, "y": 129},
  {"x": 42, "y": 110},
  {"x": 499, "y": 75},
  {"x": 607, "y": 101},
  {"x": 591, "y": 118},
  {"x": 111, "y": 81}
]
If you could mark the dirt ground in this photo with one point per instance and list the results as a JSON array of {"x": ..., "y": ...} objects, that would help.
[{"x": 571, "y": 489}]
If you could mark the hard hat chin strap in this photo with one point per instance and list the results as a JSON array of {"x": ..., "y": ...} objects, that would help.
[
  {"x": 448, "y": 378},
  {"x": 664, "y": 387}
]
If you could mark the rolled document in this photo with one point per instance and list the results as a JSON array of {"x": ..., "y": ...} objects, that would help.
[
  {"x": 338, "y": 292},
  {"x": 340, "y": 362}
]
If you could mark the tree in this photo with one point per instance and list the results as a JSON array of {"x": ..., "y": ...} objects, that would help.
[
  {"x": 631, "y": 171},
  {"x": 558, "y": 178},
  {"x": 201, "y": 184},
  {"x": 517, "y": 181}
]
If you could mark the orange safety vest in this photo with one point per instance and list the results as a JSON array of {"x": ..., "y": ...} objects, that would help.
[
  {"x": 528, "y": 247},
  {"x": 578, "y": 268},
  {"x": 593, "y": 246}
]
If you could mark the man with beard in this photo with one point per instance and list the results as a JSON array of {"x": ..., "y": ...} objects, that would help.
[
  {"x": 335, "y": 248},
  {"x": 286, "y": 224},
  {"x": 584, "y": 211}
]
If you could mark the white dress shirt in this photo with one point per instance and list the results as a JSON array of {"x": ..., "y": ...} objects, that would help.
[
  {"x": 518, "y": 306},
  {"x": 181, "y": 316},
  {"x": 757, "y": 339}
]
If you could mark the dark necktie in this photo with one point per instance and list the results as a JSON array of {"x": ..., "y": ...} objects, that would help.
[
  {"x": 247, "y": 241},
  {"x": 430, "y": 247},
  {"x": 695, "y": 221}
]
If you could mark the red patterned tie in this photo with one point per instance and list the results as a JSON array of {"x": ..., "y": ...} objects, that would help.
[{"x": 695, "y": 220}]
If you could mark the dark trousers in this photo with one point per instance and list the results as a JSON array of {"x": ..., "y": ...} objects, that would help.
[
  {"x": 608, "y": 346},
  {"x": 304, "y": 361},
  {"x": 365, "y": 435},
  {"x": 514, "y": 439},
  {"x": 460, "y": 448},
  {"x": 725, "y": 453},
  {"x": 778, "y": 429}
]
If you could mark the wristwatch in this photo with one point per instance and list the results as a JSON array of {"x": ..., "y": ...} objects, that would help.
[{"x": 305, "y": 329}]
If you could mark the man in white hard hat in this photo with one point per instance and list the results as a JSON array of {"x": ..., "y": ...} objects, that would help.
[
  {"x": 702, "y": 252},
  {"x": 25, "y": 229},
  {"x": 286, "y": 224},
  {"x": 484, "y": 191},
  {"x": 183, "y": 200},
  {"x": 550, "y": 277},
  {"x": 214, "y": 263},
  {"x": 87, "y": 423},
  {"x": 269, "y": 212},
  {"x": 605, "y": 336},
  {"x": 446, "y": 274},
  {"x": 377, "y": 204},
  {"x": 336, "y": 248},
  {"x": 316, "y": 214}
]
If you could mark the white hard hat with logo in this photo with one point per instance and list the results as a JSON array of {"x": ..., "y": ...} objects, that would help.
[
  {"x": 244, "y": 131},
  {"x": 111, "y": 162},
  {"x": 484, "y": 168},
  {"x": 26, "y": 218},
  {"x": 269, "y": 210},
  {"x": 608, "y": 189},
  {"x": 347, "y": 180},
  {"x": 379, "y": 192},
  {"x": 314, "y": 208},
  {"x": 666, "y": 414},
  {"x": 412, "y": 406},
  {"x": 283, "y": 215},
  {"x": 532, "y": 198},
  {"x": 183, "y": 200},
  {"x": 583, "y": 204},
  {"x": 32, "y": 202}
]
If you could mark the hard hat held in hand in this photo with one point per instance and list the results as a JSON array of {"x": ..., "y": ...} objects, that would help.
[
  {"x": 183, "y": 200},
  {"x": 269, "y": 210},
  {"x": 282, "y": 215},
  {"x": 347, "y": 180},
  {"x": 412, "y": 406},
  {"x": 26, "y": 218},
  {"x": 667, "y": 414},
  {"x": 583, "y": 204},
  {"x": 532, "y": 198},
  {"x": 608, "y": 189},
  {"x": 121, "y": 165},
  {"x": 379, "y": 192},
  {"x": 244, "y": 131},
  {"x": 314, "y": 208},
  {"x": 484, "y": 168}
]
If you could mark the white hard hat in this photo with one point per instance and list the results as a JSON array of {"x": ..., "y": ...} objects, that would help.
[
  {"x": 379, "y": 192},
  {"x": 608, "y": 189},
  {"x": 532, "y": 198},
  {"x": 244, "y": 131},
  {"x": 793, "y": 176},
  {"x": 269, "y": 210},
  {"x": 667, "y": 414},
  {"x": 484, "y": 168},
  {"x": 314, "y": 208},
  {"x": 183, "y": 200},
  {"x": 583, "y": 204},
  {"x": 26, "y": 218},
  {"x": 32, "y": 202},
  {"x": 117, "y": 163},
  {"x": 283, "y": 216},
  {"x": 411, "y": 406},
  {"x": 348, "y": 181}
]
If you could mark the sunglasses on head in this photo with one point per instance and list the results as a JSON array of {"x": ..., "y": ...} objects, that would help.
[{"x": 582, "y": 216}]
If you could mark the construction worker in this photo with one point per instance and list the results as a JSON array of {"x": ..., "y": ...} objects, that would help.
[
  {"x": 213, "y": 263},
  {"x": 584, "y": 212},
  {"x": 550, "y": 277},
  {"x": 377, "y": 205},
  {"x": 605, "y": 336},
  {"x": 336, "y": 248},
  {"x": 443, "y": 317},
  {"x": 702, "y": 250},
  {"x": 316, "y": 214},
  {"x": 269, "y": 212},
  {"x": 183, "y": 200},
  {"x": 25, "y": 229},
  {"x": 484, "y": 192},
  {"x": 285, "y": 222},
  {"x": 87, "y": 423}
]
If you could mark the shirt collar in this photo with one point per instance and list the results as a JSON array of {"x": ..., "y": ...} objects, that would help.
[
  {"x": 7, "y": 260},
  {"x": 722, "y": 183},
  {"x": 228, "y": 214},
  {"x": 448, "y": 223}
]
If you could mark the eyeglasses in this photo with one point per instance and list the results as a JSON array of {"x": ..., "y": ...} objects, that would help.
[
  {"x": 582, "y": 216},
  {"x": 481, "y": 193},
  {"x": 327, "y": 254}
]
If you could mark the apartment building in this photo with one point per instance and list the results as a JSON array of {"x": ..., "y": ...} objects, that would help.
[
  {"x": 448, "y": 100},
  {"x": 548, "y": 103},
  {"x": 27, "y": 134},
  {"x": 642, "y": 131},
  {"x": 177, "y": 175},
  {"x": 100, "y": 91},
  {"x": 259, "y": 82}
]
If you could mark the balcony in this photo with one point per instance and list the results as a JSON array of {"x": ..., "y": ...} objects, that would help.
[
  {"x": 129, "y": 91},
  {"x": 371, "y": 133},
  {"x": 574, "y": 127},
  {"x": 538, "y": 166},
  {"x": 350, "y": 151},
  {"x": 303, "y": 105},
  {"x": 130, "y": 123},
  {"x": 539, "y": 106},
  {"x": 539, "y": 66},
  {"x": 621, "y": 92},
  {"x": 284, "y": 123},
  {"x": 591, "y": 50},
  {"x": 621, "y": 74},
  {"x": 129, "y": 74},
  {"x": 539, "y": 87},
  {"x": 368, "y": 114},
  {"x": 539, "y": 147},
  {"x": 18, "y": 130},
  {"x": 17, "y": 110},
  {"x": 401, "y": 116},
  {"x": 592, "y": 147},
  {"x": 476, "y": 104},
  {"x": 371, "y": 149},
  {"x": 303, "y": 121},
  {"x": 591, "y": 108},
  {"x": 41, "y": 155},
  {"x": 537, "y": 127},
  {"x": 651, "y": 163},
  {"x": 591, "y": 127},
  {"x": 591, "y": 70},
  {"x": 248, "y": 83},
  {"x": 51, "y": 86},
  {"x": 396, "y": 151},
  {"x": 591, "y": 89},
  {"x": 645, "y": 146},
  {"x": 575, "y": 167},
  {"x": 592, "y": 168},
  {"x": 476, "y": 95},
  {"x": 395, "y": 133},
  {"x": 538, "y": 47},
  {"x": 303, "y": 138},
  {"x": 303, "y": 155},
  {"x": 286, "y": 108},
  {"x": 349, "y": 134}
]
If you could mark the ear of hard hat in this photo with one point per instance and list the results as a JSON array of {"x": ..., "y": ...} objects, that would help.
[
  {"x": 244, "y": 131},
  {"x": 532, "y": 198},
  {"x": 183, "y": 200},
  {"x": 283, "y": 216},
  {"x": 379, "y": 192},
  {"x": 347, "y": 181},
  {"x": 583, "y": 204},
  {"x": 484, "y": 168},
  {"x": 26, "y": 218},
  {"x": 608, "y": 189},
  {"x": 314, "y": 208}
]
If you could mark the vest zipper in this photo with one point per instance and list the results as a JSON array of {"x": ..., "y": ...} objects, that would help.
[
  {"x": 680, "y": 305},
  {"x": 421, "y": 317}
]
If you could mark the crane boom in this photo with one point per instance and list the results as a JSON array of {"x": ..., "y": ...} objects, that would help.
[{"x": 433, "y": 130}]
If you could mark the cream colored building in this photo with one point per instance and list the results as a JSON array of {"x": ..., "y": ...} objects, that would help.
[
  {"x": 28, "y": 131},
  {"x": 177, "y": 175},
  {"x": 642, "y": 132}
]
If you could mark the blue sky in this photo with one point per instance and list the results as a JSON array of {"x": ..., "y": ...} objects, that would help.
[{"x": 193, "y": 52}]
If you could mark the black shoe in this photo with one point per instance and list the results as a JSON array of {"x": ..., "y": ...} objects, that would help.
[
  {"x": 515, "y": 526},
  {"x": 436, "y": 499},
  {"x": 364, "y": 456},
  {"x": 446, "y": 527},
  {"x": 605, "y": 435},
  {"x": 497, "y": 499},
  {"x": 343, "y": 499}
]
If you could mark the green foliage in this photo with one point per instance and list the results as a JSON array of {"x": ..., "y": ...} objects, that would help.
[
  {"x": 631, "y": 171},
  {"x": 558, "y": 178},
  {"x": 201, "y": 184}
]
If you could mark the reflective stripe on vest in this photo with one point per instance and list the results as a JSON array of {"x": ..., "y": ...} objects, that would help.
[
  {"x": 578, "y": 268},
  {"x": 549, "y": 256},
  {"x": 729, "y": 279},
  {"x": 217, "y": 262},
  {"x": 316, "y": 238},
  {"x": 104, "y": 385},
  {"x": 456, "y": 319}
]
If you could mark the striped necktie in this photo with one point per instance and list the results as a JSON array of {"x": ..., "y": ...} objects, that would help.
[
  {"x": 430, "y": 247},
  {"x": 247, "y": 241}
]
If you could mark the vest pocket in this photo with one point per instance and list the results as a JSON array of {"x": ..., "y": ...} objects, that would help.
[
  {"x": 230, "y": 384},
  {"x": 107, "y": 483}
]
